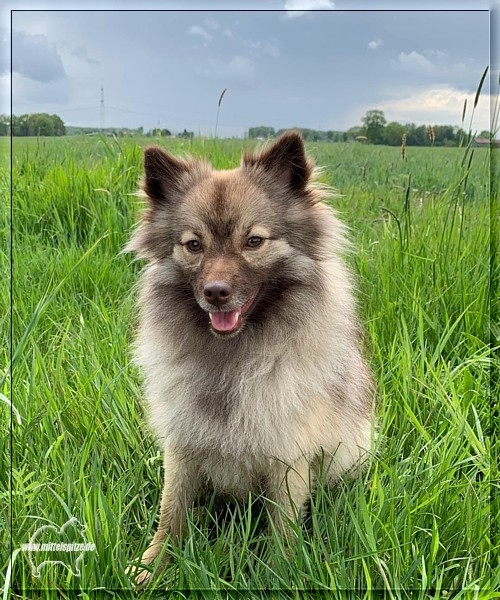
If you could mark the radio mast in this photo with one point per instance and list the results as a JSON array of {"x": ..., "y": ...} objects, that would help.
[{"x": 102, "y": 116}]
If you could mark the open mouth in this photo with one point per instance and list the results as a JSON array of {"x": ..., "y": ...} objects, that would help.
[{"x": 225, "y": 322}]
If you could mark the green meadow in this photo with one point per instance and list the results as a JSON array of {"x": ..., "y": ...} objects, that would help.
[{"x": 421, "y": 522}]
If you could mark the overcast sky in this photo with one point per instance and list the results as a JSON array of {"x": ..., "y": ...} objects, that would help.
[{"x": 282, "y": 67}]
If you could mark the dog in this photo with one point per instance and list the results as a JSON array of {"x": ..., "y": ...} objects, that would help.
[{"x": 248, "y": 337}]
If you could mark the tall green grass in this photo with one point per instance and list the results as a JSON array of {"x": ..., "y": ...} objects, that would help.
[{"x": 418, "y": 523}]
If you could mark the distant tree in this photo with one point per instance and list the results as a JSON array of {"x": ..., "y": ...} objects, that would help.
[
  {"x": 353, "y": 132},
  {"x": 59, "y": 128},
  {"x": 374, "y": 123},
  {"x": 37, "y": 124},
  {"x": 461, "y": 136},
  {"x": 19, "y": 125},
  {"x": 41, "y": 124},
  {"x": 186, "y": 134},
  {"x": 486, "y": 134},
  {"x": 416, "y": 136},
  {"x": 4, "y": 125},
  {"x": 393, "y": 133},
  {"x": 444, "y": 135},
  {"x": 157, "y": 132},
  {"x": 310, "y": 135},
  {"x": 334, "y": 136},
  {"x": 261, "y": 132}
]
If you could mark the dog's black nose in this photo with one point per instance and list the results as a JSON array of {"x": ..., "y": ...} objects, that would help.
[{"x": 217, "y": 292}]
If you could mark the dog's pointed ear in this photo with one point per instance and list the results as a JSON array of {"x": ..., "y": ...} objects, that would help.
[
  {"x": 162, "y": 174},
  {"x": 285, "y": 159}
]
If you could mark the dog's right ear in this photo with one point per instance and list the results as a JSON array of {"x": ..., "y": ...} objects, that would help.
[
  {"x": 162, "y": 174},
  {"x": 285, "y": 159}
]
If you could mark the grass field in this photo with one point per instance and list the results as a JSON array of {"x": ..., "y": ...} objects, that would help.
[{"x": 419, "y": 523}]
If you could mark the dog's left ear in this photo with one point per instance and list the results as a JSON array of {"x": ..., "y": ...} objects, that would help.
[{"x": 285, "y": 159}]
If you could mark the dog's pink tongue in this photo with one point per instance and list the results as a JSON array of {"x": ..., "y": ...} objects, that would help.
[{"x": 224, "y": 321}]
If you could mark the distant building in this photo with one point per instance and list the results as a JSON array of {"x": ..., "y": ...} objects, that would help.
[{"x": 482, "y": 141}]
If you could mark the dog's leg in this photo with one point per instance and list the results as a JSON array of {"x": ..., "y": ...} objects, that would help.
[
  {"x": 288, "y": 490},
  {"x": 181, "y": 482}
]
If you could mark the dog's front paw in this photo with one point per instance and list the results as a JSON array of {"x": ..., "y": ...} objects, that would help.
[{"x": 142, "y": 575}]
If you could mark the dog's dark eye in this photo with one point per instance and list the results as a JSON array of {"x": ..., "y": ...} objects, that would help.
[
  {"x": 193, "y": 245},
  {"x": 254, "y": 242}
]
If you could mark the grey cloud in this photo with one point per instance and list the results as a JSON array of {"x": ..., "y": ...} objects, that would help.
[
  {"x": 212, "y": 24},
  {"x": 197, "y": 30},
  {"x": 298, "y": 8},
  {"x": 263, "y": 47},
  {"x": 415, "y": 62},
  {"x": 81, "y": 52},
  {"x": 35, "y": 57},
  {"x": 237, "y": 70},
  {"x": 256, "y": 47},
  {"x": 431, "y": 65}
]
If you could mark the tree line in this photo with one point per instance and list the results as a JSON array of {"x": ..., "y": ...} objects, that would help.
[
  {"x": 156, "y": 132},
  {"x": 37, "y": 124},
  {"x": 374, "y": 130}
]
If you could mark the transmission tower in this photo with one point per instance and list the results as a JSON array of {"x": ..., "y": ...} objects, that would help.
[{"x": 102, "y": 118}]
